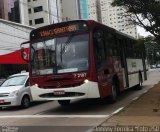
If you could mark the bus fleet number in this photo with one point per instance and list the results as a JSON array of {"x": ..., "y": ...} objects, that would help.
[{"x": 80, "y": 75}]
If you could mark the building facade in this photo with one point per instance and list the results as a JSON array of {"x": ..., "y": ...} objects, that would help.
[
  {"x": 11, "y": 36},
  {"x": 93, "y": 10},
  {"x": 114, "y": 17},
  {"x": 43, "y": 12},
  {"x": 14, "y": 10},
  {"x": 9, "y": 10},
  {"x": 79, "y": 9},
  {"x": 83, "y": 9},
  {"x": 38, "y": 13},
  {"x": 70, "y": 10}
]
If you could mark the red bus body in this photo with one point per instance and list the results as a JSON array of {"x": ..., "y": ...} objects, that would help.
[{"x": 95, "y": 82}]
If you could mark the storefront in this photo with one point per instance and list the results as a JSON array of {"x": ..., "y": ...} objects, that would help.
[{"x": 11, "y": 36}]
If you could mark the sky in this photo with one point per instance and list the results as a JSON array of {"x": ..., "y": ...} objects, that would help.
[{"x": 142, "y": 32}]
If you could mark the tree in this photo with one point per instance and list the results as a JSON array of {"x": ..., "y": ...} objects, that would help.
[
  {"x": 145, "y": 13},
  {"x": 152, "y": 50}
]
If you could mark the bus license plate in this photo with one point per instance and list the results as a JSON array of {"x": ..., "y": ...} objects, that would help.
[{"x": 59, "y": 92}]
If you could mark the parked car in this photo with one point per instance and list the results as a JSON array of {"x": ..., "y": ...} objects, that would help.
[
  {"x": 15, "y": 91},
  {"x": 2, "y": 80},
  {"x": 152, "y": 66},
  {"x": 158, "y": 66}
]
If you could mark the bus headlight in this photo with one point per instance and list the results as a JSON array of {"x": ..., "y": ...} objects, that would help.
[
  {"x": 86, "y": 81},
  {"x": 36, "y": 85}
]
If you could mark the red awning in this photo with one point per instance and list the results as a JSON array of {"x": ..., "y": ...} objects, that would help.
[{"x": 12, "y": 58}]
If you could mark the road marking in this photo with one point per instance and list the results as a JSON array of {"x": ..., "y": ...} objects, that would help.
[
  {"x": 118, "y": 110},
  {"x": 54, "y": 116},
  {"x": 135, "y": 98},
  {"x": 145, "y": 91}
]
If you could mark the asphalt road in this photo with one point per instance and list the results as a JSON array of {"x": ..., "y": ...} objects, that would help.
[{"x": 79, "y": 116}]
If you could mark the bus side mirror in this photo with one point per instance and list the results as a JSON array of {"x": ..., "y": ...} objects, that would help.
[{"x": 25, "y": 51}]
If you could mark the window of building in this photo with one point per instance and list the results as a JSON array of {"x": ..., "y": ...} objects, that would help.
[
  {"x": 38, "y": 9},
  {"x": 30, "y": 22},
  {"x": 39, "y": 21},
  {"x": 34, "y": 0},
  {"x": 29, "y": 11},
  {"x": 29, "y": 0}
]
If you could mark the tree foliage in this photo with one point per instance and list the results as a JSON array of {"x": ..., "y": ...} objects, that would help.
[
  {"x": 145, "y": 13},
  {"x": 152, "y": 50}
]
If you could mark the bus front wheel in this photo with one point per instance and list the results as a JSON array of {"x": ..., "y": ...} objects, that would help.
[{"x": 64, "y": 102}]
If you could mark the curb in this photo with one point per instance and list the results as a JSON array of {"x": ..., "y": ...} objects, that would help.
[{"x": 119, "y": 110}]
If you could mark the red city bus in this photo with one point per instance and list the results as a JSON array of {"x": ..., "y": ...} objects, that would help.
[{"x": 82, "y": 59}]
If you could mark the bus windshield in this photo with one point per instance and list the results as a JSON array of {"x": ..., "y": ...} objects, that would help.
[{"x": 60, "y": 55}]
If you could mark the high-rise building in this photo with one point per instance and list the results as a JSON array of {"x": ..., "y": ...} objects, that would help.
[
  {"x": 93, "y": 10},
  {"x": 43, "y": 12},
  {"x": 79, "y": 9},
  {"x": 9, "y": 10},
  {"x": 13, "y": 10},
  {"x": 83, "y": 9},
  {"x": 88, "y": 9},
  {"x": 114, "y": 17},
  {"x": 70, "y": 10}
]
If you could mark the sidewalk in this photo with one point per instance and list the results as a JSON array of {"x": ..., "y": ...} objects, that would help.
[{"x": 144, "y": 111}]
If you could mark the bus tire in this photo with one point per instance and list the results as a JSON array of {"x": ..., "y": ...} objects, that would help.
[
  {"x": 113, "y": 97},
  {"x": 140, "y": 81},
  {"x": 64, "y": 102}
]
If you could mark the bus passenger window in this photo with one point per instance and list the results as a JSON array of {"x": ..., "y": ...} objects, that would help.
[{"x": 99, "y": 50}]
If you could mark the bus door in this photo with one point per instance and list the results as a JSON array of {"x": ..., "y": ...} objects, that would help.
[
  {"x": 102, "y": 64},
  {"x": 123, "y": 62}
]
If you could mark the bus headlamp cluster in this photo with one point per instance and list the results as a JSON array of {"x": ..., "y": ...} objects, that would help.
[
  {"x": 36, "y": 85},
  {"x": 86, "y": 81}
]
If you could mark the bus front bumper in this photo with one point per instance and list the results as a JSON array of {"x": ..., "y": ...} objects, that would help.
[{"x": 86, "y": 90}]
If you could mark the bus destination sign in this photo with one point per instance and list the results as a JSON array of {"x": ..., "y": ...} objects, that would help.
[{"x": 59, "y": 30}]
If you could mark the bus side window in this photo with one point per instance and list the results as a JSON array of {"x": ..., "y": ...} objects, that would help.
[
  {"x": 99, "y": 48},
  {"x": 121, "y": 50}
]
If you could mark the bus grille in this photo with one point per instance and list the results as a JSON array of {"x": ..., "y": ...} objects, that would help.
[{"x": 63, "y": 86}]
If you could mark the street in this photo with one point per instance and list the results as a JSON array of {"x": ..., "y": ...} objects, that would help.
[{"x": 78, "y": 116}]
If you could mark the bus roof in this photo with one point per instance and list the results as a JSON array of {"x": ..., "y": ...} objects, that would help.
[
  {"x": 112, "y": 29},
  {"x": 88, "y": 22}
]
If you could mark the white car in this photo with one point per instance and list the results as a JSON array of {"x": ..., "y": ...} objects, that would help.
[{"x": 15, "y": 91}]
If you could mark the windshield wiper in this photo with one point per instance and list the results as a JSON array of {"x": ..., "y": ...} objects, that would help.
[{"x": 67, "y": 42}]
